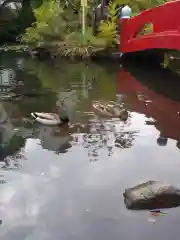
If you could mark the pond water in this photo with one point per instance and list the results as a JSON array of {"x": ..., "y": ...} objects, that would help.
[{"x": 67, "y": 184}]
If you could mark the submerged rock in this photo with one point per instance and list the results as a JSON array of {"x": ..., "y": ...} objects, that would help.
[{"x": 151, "y": 195}]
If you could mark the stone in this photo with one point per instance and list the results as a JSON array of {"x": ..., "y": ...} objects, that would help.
[{"x": 152, "y": 195}]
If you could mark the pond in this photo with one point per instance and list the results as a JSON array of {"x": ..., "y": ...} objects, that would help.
[{"x": 68, "y": 184}]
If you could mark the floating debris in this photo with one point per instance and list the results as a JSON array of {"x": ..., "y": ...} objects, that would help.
[
  {"x": 155, "y": 213},
  {"x": 158, "y": 213}
]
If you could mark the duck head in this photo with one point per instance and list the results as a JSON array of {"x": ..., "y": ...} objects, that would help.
[{"x": 64, "y": 119}]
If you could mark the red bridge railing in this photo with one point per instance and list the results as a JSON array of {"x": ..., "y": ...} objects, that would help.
[{"x": 165, "y": 22}]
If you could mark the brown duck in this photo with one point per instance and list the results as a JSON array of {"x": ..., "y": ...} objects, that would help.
[{"x": 110, "y": 111}]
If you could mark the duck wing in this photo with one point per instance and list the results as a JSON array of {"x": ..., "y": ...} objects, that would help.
[{"x": 49, "y": 116}]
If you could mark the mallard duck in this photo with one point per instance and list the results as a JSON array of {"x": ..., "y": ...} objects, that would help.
[
  {"x": 110, "y": 110},
  {"x": 51, "y": 119}
]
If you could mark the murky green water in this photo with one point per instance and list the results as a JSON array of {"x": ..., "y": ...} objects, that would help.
[{"x": 68, "y": 184}]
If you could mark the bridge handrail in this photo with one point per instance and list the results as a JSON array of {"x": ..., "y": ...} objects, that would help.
[{"x": 164, "y": 18}]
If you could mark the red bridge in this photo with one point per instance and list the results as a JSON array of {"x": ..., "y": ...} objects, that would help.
[{"x": 165, "y": 29}]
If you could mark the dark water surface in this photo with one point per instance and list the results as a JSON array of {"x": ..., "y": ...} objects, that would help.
[{"x": 68, "y": 184}]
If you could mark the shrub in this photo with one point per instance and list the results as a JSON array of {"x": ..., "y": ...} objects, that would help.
[
  {"x": 83, "y": 46},
  {"x": 57, "y": 27},
  {"x": 108, "y": 28},
  {"x": 49, "y": 24}
]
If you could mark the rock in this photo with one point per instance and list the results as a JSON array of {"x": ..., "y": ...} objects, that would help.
[{"x": 152, "y": 195}]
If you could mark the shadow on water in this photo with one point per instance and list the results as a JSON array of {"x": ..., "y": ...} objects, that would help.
[
  {"x": 162, "y": 81},
  {"x": 67, "y": 183}
]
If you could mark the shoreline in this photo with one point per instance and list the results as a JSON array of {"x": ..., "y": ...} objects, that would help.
[{"x": 43, "y": 54}]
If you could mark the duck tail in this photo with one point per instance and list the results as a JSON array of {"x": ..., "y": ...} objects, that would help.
[{"x": 34, "y": 115}]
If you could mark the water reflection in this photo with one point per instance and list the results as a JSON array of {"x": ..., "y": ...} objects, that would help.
[
  {"x": 67, "y": 183},
  {"x": 165, "y": 112},
  {"x": 102, "y": 134},
  {"x": 54, "y": 139},
  {"x": 76, "y": 90}
]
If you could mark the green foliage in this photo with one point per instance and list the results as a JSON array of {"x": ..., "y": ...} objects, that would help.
[
  {"x": 46, "y": 27},
  {"x": 14, "y": 21},
  {"x": 171, "y": 61},
  {"x": 59, "y": 32},
  {"x": 58, "y": 27},
  {"x": 83, "y": 46},
  {"x": 54, "y": 21},
  {"x": 108, "y": 28},
  {"x": 147, "y": 29}
]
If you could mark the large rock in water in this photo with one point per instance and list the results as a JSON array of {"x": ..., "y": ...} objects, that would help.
[{"x": 151, "y": 195}]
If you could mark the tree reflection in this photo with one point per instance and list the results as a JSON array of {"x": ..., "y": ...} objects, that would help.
[
  {"x": 99, "y": 135},
  {"x": 77, "y": 76},
  {"x": 125, "y": 140},
  {"x": 11, "y": 141},
  {"x": 178, "y": 144},
  {"x": 10, "y": 152},
  {"x": 162, "y": 140}
]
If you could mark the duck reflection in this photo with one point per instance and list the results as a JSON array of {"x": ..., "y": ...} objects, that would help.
[
  {"x": 162, "y": 112},
  {"x": 54, "y": 138}
]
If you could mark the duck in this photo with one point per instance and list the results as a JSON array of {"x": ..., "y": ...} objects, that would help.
[
  {"x": 110, "y": 111},
  {"x": 50, "y": 119}
]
